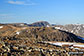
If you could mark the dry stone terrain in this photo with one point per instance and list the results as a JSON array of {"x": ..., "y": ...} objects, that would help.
[{"x": 30, "y": 41}]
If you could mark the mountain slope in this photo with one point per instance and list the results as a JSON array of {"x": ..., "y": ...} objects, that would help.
[
  {"x": 77, "y": 29},
  {"x": 32, "y": 41},
  {"x": 39, "y": 24},
  {"x": 39, "y": 34}
]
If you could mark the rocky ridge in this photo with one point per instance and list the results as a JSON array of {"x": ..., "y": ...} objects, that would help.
[{"x": 30, "y": 41}]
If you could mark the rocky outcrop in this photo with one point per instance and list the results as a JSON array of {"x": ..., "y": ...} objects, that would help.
[{"x": 40, "y": 24}]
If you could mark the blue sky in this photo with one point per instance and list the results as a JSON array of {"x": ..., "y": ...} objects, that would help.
[{"x": 53, "y": 11}]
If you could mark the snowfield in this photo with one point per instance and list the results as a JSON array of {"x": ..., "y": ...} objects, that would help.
[
  {"x": 79, "y": 45},
  {"x": 1, "y": 26},
  {"x": 57, "y": 28},
  {"x": 17, "y": 33},
  {"x": 62, "y": 43},
  {"x": 71, "y": 45}
]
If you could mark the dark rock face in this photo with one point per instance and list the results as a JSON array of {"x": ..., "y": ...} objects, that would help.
[
  {"x": 39, "y": 24},
  {"x": 1, "y": 24}
]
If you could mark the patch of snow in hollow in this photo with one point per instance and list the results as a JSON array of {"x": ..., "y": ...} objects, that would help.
[
  {"x": 83, "y": 26},
  {"x": 60, "y": 43},
  {"x": 72, "y": 31},
  {"x": 78, "y": 28},
  {"x": 66, "y": 30},
  {"x": 1, "y": 26},
  {"x": 17, "y": 33},
  {"x": 57, "y": 28},
  {"x": 77, "y": 48},
  {"x": 67, "y": 43},
  {"x": 76, "y": 31},
  {"x": 21, "y": 24},
  {"x": 71, "y": 47},
  {"x": 79, "y": 45},
  {"x": 48, "y": 26},
  {"x": 81, "y": 38}
]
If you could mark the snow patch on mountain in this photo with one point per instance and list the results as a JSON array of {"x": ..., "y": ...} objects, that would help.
[
  {"x": 1, "y": 26},
  {"x": 76, "y": 46},
  {"x": 79, "y": 45},
  {"x": 17, "y": 33},
  {"x": 57, "y": 28},
  {"x": 62, "y": 43},
  {"x": 72, "y": 31}
]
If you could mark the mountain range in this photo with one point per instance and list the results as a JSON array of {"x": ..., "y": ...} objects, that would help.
[
  {"x": 41, "y": 39},
  {"x": 44, "y": 31}
]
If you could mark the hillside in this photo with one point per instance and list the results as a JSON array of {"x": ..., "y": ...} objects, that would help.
[
  {"x": 37, "y": 33},
  {"x": 37, "y": 41},
  {"x": 77, "y": 29}
]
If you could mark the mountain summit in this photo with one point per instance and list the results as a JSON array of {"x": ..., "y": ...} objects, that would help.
[{"x": 40, "y": 24}]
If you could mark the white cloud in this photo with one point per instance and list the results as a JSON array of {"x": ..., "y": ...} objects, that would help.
[
  {"x": 21, "y": 2},
  {"x": 5, "y": 16},
  {"x": 16, "y": 2}
]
